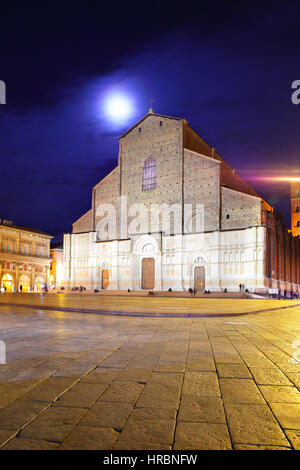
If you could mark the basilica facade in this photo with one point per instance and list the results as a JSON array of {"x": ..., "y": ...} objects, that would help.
[{"x": 212, "y": 230}]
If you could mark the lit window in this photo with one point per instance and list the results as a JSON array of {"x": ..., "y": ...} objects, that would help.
[{"x": 149, "y": 174}]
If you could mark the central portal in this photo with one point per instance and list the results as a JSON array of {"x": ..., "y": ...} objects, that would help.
[
  {"x": 148, "y": 273},
  {"x": 199, "y": 278},
  {"x": 105, "y": 278}
]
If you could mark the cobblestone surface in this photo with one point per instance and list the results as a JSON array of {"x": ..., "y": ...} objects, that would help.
[{"x": 84, "y": 381}]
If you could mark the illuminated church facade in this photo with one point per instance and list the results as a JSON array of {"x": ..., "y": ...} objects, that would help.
[{"x": 163, "y": 162}]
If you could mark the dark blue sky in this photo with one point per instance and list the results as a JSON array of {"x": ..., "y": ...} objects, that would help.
[{"x": 226, "y": 67}]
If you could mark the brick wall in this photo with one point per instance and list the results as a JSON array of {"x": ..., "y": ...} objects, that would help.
[
  {"x": 84, "y": 224},
  {"x": 107, "y": 192},
  {"x": 202, "y": 186},
  {"x": 160, "y": 137},
  {"x": 239, "y": 209}
]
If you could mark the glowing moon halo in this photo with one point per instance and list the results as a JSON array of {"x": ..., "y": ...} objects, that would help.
[{"x": 118, "y": 107}]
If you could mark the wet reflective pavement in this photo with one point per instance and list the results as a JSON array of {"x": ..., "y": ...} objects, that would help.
[
  {"x": 145, "y": 304},
  {"x": 83, "y": 381}
]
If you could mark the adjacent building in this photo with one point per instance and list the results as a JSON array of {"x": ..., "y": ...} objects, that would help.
[
  {"x": 163, "y": 161},
  {"x": 24, "y": 258},
  {"x": 295, "y": 208},
  {"x": 56, "y": 267}
]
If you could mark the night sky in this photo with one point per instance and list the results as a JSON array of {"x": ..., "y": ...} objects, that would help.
[{"x": 227, "y": 68}]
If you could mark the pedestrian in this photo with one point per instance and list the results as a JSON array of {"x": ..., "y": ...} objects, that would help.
[
  {"x": 195, "y": 291},
  {"x": 284, "y": 294},
  {"x": 21, "y": 288},
  {"x": 240, "y": 286}
]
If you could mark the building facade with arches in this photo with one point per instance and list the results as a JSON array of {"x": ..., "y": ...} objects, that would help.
[
  {"x": 24, "y": 259},
  {"x": 164, "y": 164}
]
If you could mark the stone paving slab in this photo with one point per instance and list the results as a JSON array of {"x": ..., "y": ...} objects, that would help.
[
  {"x": 54, "y": 424},
  {"x": 5, "y": 435},
  {"x": 90, "y": 438},
  {"x": 77, "y": 381},
  {"x": 254, "y": 424},
  {"x": 19, "y": 413},
  {"x": 20, "y": 443},
  {"x": 50, "y": 389},
  {"x": 201, "y": 409},
  {"x": 287, "y": 414},
  {"x": 106, "y": 414},
  {"x": 151, "y": 306},
  {"x": 202, "y": 436},
  {"x": 81, "y": 395},
  {"x": 148, "y": 429}
]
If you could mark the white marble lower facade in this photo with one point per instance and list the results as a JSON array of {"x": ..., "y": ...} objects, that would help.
[{"x": 228, "y": 258}]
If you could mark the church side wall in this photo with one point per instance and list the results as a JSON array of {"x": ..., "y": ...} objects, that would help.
[
  {"x": 84, "y": 224},
  {"x": 107, "y": 192},
  {"x": 202, "y": 186},
  {"x": 239, "y": 210}
]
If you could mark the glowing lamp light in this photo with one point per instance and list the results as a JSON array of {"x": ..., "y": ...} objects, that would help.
[{"x": 279, "y": 178}]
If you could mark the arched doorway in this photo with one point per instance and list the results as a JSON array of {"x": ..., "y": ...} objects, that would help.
[
  {"x": 24, "y": 281},
  {"x": 148, "y": 273},
  {"x": 8, "y": 283},
  {"x": 105, "y": 278},
  {"x": 39, "y": 283},
  {"x": 199, "y": 278}
]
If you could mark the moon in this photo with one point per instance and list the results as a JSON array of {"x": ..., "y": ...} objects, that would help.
[{"x": 118, "y": 107}]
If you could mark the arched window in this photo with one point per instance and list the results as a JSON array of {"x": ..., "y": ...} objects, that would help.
[
  {"x": 149, "y": 174},
  {"x": 298, "y": 224},
  {"x": 297, "y": 209}
]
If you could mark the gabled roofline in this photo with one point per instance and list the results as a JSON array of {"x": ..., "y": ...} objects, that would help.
[
  {"x": 203, "y": 156},
  {"x": 241, "y": 192},
  {"x": 87, "y": 212},
  {"x": 20, "y": 228},
  {"x": 105, "y": 177},
  {"x": 144, "y": 117}
]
